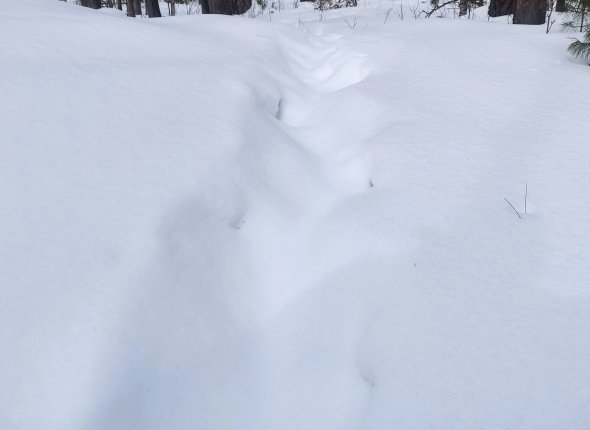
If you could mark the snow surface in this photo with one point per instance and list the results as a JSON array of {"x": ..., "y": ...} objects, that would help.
[{"x": 214, "y": 222}]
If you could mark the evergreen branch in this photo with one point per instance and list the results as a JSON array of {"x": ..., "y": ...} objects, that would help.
[{"x": 580, "y": 49}]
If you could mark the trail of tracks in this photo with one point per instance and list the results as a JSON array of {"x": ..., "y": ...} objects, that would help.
[
  {"x": 326, "y": 140},
  {"x": 314, "y": 315},
  {"x": 324, "y": 118}
]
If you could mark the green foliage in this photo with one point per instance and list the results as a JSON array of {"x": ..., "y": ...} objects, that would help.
[
  {"x": 334, "y": 4},
  {"x": 581, "y": 48},
  {"x": 577, "y": 14}
]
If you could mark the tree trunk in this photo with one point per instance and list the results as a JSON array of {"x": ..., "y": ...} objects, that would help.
[
  {"x": 137, "y": 7},
  {"x": 173, "y": 8},
  {"x": 462, "y": 7},
  {"x": 530, "y": 12},
  {"x": 501, "y": 7},
  {"x": 205, "y": 7},
  {"x": 560, "y": 6},
  {"x": 131, "y": 8},
  {"x": 120, "y": 4},
  {"x": 94, "y": 4},
  {"x": 229, "y": 7},
  {"x": 152, "y": 9}
]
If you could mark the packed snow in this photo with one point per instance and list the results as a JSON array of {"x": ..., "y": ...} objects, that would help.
[{"x": 303, "y": 221}]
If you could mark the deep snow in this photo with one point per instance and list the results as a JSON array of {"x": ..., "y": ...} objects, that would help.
[{"x": 223, "y": 223}]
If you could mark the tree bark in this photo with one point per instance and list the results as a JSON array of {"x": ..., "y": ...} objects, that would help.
[
  {"x": 152, "y": 9},
  {"x": 137, "y": 7},
  {"x": 93, "y": 4},
  {"x": 228, "y": 7},
  {"x": 205, "y": 10},
  {"x": 560, "y": 6},
  {"x": 462, "y": 7},
  {"x": 530, "y": 12},
  {"x": 131, "y": 8},
  {"x": 120, "y": 4},
  {"x": 501, "y": 7}
]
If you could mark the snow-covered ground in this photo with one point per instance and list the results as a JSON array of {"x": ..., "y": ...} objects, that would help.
[{"x": 282, "y": 223}]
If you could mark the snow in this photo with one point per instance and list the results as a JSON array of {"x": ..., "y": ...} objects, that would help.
[{"x": 287, "y": 223}]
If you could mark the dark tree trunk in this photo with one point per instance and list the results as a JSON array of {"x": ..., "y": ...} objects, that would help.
[
  {"x": 131, "y": 8},
  {"x": 530, "y": 12},
  {"x": 94, "y": 4},
  {"x": 501, "y": 7},
  {"x": 137, "y": 6},
  {"x": 229, "y": 7},
  {"x": 205, "y": 7},
  {"x": 120, "y": 4},
  {"x": 560, "y": 6},
  {"x": 462, "y": 7},
  {"x": 173, "y": 8},
  {"x": 152, "y": 9}
]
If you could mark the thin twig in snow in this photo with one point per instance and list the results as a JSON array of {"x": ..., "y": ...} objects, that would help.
[
  {"x": 512, "y": 207},
  {"x": 387, "y": 15},
  {"x": 353, "y": 24},
  {"x": 428, "y": 14},
  {"x": 526, "y": 193}
]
